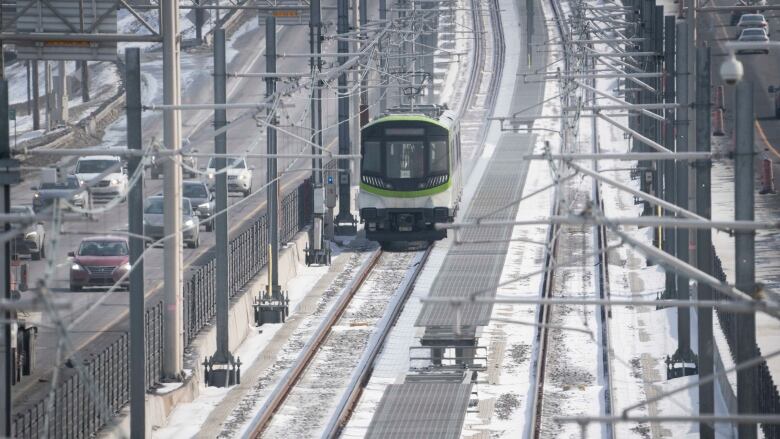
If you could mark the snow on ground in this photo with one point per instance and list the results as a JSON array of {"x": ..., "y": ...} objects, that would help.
[{"x": 187, "y": 418}]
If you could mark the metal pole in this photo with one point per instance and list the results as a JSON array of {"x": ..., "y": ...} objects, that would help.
[
  {"x": 84, "y": 64},
  {"x": 172, "y": 340},
  {"x": 5, "y": 266},
  {"x": 382, "y": 62},
  {"x": 222, "y": 355},
  {"x": 273, "y": 186},
  {"x": 135, "y": 225},
  {"x": 747, "y": 389},
  {"x": 704, "y": 257},
  {"x": 669, "y": 137},
  {"x": 345, "y": 215},
  {"x": 198, "y": 21},
  {"x": 47, "y": 86},
  {"x": 36, "y": 111},
  {"x": 62, "y": 94},
  {"x": 315, "y": 236},
  {"x": 683, "y": 291}
]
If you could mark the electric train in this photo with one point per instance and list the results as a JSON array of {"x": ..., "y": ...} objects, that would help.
[{"x": 410, "y": 175}]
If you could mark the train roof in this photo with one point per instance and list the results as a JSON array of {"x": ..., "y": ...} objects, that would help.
[{"x": 446, "y": 119}]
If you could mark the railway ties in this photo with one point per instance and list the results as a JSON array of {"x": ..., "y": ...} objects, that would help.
[
  {"x": 323, "y": 384},
  {"x": 573, "y": 370}
]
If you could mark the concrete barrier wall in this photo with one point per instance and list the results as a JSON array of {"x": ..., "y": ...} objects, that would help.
[{"x": 160, "y": 405}]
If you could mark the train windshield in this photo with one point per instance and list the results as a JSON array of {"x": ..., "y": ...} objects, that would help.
[{"x": 405, "y": 159}]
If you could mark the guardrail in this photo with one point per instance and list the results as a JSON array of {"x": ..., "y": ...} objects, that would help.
[
  {"x": 768, "y": 397},
  {"x": 75, "y": 414}
]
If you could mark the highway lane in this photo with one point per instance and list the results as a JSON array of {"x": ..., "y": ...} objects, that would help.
[{"x": 197, "y": 127}]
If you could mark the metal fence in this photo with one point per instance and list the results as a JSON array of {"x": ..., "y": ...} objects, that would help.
[
  {"x": 766, "y": 391},
  {"x": 75, "y": 413}
]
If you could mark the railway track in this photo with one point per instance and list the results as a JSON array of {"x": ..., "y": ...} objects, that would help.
[
  {"x": 576, "y": 245},
  {"x": 334, "y": 365}
]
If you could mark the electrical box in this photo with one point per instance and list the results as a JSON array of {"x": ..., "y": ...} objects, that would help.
[{"x": 331, "y": 189}]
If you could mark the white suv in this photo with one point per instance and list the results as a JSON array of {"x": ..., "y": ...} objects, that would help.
[
  {"x": 111, "y": 185},
  {"x": 239, "y": 175}
]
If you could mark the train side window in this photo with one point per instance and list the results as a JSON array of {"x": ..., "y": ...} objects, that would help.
[{"x": 372, "y": 157}]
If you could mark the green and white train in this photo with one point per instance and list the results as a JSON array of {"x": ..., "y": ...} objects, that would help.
[{"x": 410, "y": 176}]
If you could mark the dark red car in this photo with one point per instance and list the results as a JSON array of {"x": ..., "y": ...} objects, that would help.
[{"x": 100, "y": 261}]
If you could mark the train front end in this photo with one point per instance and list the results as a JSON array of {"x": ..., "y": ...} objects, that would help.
[{"x": 406, "y": 184}]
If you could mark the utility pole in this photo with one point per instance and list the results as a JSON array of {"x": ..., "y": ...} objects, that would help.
[
  {"x": 271, "y": 176},
  {"x": 62, "y": 94},
  {"x": 683, "y": 355},
  {"x": 747, "y": 386},
  {"x": 669, "y": 137},
  {"x": 36, "y": 110},
  {"x": 5, "y": 265},
  {"x": 316, "y": 253},
  {"x": 704, "y": 256},
  {"x": 228, "y": 373},
  {"x": 135, "y": 225},
  {"x": 84, "y": 64},
  {"x": 382, "y": 61},
  {"x": 345, "y": 222},
  {"x": 172, "y": 208},
  {"x": 364, "y": 116}
]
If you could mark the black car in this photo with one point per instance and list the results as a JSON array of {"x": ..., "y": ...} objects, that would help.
[
  {"x": 202, "y": 201},
  {"x": 46, "y": 193}
]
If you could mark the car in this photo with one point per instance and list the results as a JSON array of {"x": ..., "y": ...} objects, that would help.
[
  {"x": 47, "y": 192},
  {"x": 33, "y": 241},
  {"x": 752, "y": 21},
  {"x": 202, "y": 201},
  {"x": 154, "y": 225},
  {"x": 99, "y": 261},
  {"x": 112, "y": 185},
  {"x": 239, "y": 175},
  {"x": 753, "y": 35},
  {"x": 190, "y": 168}
]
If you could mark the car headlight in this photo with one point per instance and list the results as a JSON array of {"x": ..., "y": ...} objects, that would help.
[
  {"x": 36, "y": 195},
  {"x": 204, "y": 206},
  {"x": 211, "y": 175},
  {"x": 189, "y": 223},
  {"x": 114, "y": 181},
  {"x": 76, "y": 267},
  {"x": 243, "y": 176},
  {"x": 30, "y": 235},
  {"x": 124, "y": 267}
]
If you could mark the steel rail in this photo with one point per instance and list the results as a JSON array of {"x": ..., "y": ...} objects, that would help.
[
  {"x": 543, "y": 314},
  {"x": 294, "y": 374},
  {"x": 365, "y": 368}
]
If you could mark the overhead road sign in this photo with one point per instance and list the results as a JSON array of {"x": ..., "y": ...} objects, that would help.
[{"x": 52, "y": 20}]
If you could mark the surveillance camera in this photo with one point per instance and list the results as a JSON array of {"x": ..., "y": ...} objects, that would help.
[{"x": 731, "y": 70}]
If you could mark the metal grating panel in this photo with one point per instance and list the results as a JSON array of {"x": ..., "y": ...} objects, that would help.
[
  {"x": 424, "y": 410},
  {"x": 477, "y": 267}
]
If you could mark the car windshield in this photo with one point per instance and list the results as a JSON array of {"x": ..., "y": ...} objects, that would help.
[
  {"x": 154, "y": 206},
  {"x": 103, "y": 248},
  {"x": 70, "y": 183},
  {"x": 750, "y": 17},
  {"x": 195, "y": 191},
  {"x": 235, "y": 162},
  {"x": 94, "y": 166}
]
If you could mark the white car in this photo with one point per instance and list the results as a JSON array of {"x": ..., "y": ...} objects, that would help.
[
  {"x": 757, "y": 36},
  {"x": 752, "y": 21},
  {"x": 112, "y": 185},
  {"x": 239, "y": 175}
]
